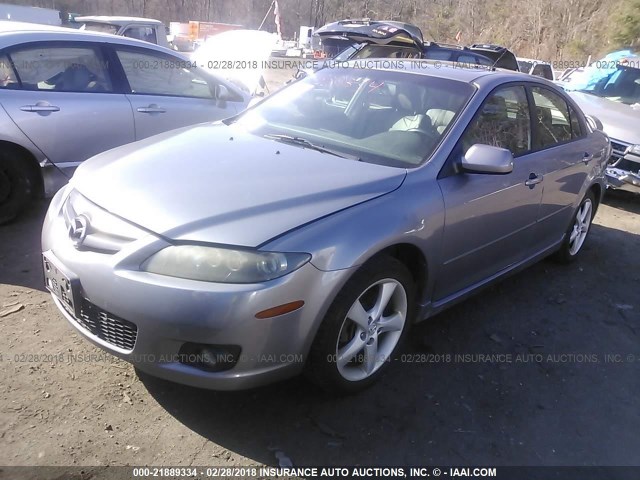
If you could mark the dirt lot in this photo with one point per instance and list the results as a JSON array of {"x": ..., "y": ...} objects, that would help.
[{"x": 575, "y": 407}]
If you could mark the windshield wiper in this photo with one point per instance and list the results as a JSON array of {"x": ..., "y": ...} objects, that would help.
[{"x": 303, "y": 142}]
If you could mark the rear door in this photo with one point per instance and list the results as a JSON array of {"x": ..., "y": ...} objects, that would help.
[
  {"x": 64, "y": 99},
  {"x": 490, "y": 219},
  {"x": 565, "y": 155},
  {"x": 167, "y": 92}
]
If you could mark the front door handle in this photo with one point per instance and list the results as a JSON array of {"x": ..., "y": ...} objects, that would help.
[
  {"x": 38, "y": 107},
  {"x": 153, "y": 108},
  {"x": 534, "y": 179},
  {"x": 587, "y": 157}
]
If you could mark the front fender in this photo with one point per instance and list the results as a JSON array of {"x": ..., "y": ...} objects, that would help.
[{"x": 412, "y": 214}]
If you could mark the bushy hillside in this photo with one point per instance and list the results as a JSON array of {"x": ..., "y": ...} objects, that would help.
[{"x": 566, "y": 30}]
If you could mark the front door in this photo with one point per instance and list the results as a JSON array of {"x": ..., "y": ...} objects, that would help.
[{"x": 490, "y": 218}]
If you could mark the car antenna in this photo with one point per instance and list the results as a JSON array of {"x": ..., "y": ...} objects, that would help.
[{"x": 493, "y": 67}]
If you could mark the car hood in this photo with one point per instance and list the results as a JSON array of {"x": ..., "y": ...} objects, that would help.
[
  {"x": 620, "y": 121},
  {"x": 382, "y": 32},
  {"x": 216, "y": 183}
]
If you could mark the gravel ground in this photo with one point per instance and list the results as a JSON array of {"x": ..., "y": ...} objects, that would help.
[{"x": 577, "y": 404}]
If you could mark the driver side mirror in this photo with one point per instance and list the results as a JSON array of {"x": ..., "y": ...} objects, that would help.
[{"x": 487, "y": 159}]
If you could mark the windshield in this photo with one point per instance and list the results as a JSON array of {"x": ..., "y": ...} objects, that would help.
[
  {"x": 622, "y": 85},
  {"x": 347, "y": 52},
  {"x": 388, "y": 118},
  {"x": 100, "y": 27}
]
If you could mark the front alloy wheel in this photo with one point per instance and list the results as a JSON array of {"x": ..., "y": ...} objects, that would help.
[
  {"x": 371, "y": 330},
  {"x": 363, "y": 327}
]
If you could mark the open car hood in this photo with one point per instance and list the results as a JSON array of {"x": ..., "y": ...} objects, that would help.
[{"x": 379, "y": 32}]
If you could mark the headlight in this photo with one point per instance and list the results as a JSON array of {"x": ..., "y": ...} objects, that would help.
[
  {"x": 223, "y": 265},
  {"x": 634, "y": 149}
]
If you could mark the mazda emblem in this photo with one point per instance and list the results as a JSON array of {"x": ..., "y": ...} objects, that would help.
[{"x": 78, "y": 230}]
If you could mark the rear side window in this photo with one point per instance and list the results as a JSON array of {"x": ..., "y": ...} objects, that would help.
[
  {"x": 551, "y": 116},
  {"x": 63, "y": 69},
  {"x": 7, "y": 75},
  {"x": 468, "y": 59},
  {"x": 438, "y": 55},
  {"x": 150, "y": 74},
  {"x": 502, "y": 121},
  {"x": 146, "y": 34}
]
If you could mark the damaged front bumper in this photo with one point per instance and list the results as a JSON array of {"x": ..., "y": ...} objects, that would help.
[
  {"x": 623, "y": 180},
  {"x": 623, "y": 173}
]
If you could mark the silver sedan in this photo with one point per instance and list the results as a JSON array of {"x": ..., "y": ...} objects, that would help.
[
  {"x": 309, "y": 232},
  {"x": 66, "y": 95}
]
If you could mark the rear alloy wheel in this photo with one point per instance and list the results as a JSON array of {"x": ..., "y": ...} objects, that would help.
[
  {"x": 15, "y": 186},
  {"x": 363, "y": 327},
  {"x": 578, "y": 231}
]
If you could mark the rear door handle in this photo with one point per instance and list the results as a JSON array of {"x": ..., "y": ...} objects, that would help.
[
  {"x": 39, "y": 108},
  {"x": 151, "y": 109},
  {"x": 534, "y": 179},
  {"x": 587, "y": 157}
]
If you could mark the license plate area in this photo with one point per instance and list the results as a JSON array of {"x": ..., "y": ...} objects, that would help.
[{"x": 64, "y": 286}]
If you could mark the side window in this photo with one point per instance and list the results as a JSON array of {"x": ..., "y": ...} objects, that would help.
[
  {"x": 552, "y": 119},
  {"x": 158, "y": 75},
  {"x": 438, "y": 55},
  {"x": 64, "y": 69},
  {"x": 576, "y": 128},
  {"x": 484, "y": 61},
  {"x": 469, "y": 59},
  {"x": 502, "y": 121},
  {"x": 147, "y": 34},
  {"x": 7, "y": 75}
]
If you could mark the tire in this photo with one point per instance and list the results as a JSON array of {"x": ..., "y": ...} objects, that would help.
[
  {"x": 16, "y": 185},
  {"x": 348, "y": 356},
  {"x": 578, "y": 230}
]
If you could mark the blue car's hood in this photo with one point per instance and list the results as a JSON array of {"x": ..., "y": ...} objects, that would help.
[{"x": 215, "y": 183}]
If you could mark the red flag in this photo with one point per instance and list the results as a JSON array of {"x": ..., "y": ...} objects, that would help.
[
  {"x": 458, "y": 35},
  {"x": 276, "y": 12}
]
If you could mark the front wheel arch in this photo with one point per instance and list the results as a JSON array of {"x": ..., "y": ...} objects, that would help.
[{"x": 32, "y": 164}]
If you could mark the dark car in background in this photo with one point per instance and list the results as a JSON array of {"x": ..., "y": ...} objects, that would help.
[
  {"x": 347, "y": 40},
  {"x": 501, "y": 56},
  {"x": 381, "y": 39},
  {"x": 454, "y": 53}
]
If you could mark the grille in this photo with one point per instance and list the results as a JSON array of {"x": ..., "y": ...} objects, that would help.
[
  {"x": 106, "y": 233},
  {"x": 618, "y": 150},
  {"x": 107, "y": 326},
  {"x": 628, "y": 165}
]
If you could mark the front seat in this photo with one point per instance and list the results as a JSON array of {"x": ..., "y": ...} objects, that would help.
[
  {"x": 413, "y": 123},
  {"x": 410, "y": 104},
  {"x": 440, "y": 118}
]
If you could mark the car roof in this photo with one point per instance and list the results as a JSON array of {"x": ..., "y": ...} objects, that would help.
[
  {"x": 115, "y": 20},
  {"x": 14, "y": 33}
]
